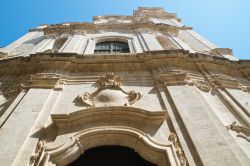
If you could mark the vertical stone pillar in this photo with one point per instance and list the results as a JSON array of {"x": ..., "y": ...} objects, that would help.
[
  {"x": 48, "y": 44},
  {"x": 196, "y": 114},
  {"x": 26, "y": 154},
  {"x": 151, "y": 42},
  {"x": 15, "y": 130},
  {"x": 76, "y": 44}
]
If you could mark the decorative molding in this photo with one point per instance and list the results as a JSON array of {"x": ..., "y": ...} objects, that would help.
[
  {"x": 83, "y": 28},
  {"x": 111, "y": 82},
  {"x": 37, "y": 153},
  {"x": 178, "y": 149},
  {"x": 224, "y": 81},
  {"x": 243, "y": 132},
  {"x": 47, "y": 80},
  {"x": 172, "y": 78},
  {"x": 221, "y": 51},
  {"x": 13, "y": 87},
  {"x": 133, "y": 115},
  {"x": 75, "y": 145}
]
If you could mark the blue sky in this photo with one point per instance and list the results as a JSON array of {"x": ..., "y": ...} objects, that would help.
[{"x": 224, "y": 22}]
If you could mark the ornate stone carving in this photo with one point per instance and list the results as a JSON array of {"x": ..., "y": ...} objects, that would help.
[
  {"x": 75, "y": 145},
  {"x": 83, "y": 28},
  {"x": 109, "y": 81},
  {"x": 202, "y": 85},
  {"x": 133, "y": 97},
  {"x": 243, "y": 132},
  {"x": 37, "y": 153},
  {"x": 245, "y": 88},
  {"x": 12, "y": 90},
  {"x": 86, "y": 99},
  {"x": 112, "y": 82},
  {"x": 224, "y": 81},
  {"x": 47, "y": 80},
  {"x": 179, "y": 152}
]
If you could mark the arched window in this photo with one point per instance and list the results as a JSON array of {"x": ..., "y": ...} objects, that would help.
[{"x": 111, "y": 47}]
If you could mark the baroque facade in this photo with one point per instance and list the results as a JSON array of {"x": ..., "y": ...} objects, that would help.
[{"x": 144, "y": 81}]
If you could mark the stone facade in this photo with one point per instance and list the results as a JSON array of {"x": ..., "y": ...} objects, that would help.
[{"x": 176, "y": 98}]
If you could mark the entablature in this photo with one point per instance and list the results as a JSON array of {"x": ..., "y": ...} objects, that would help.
[
  {"x": 85, "y": 28},
  {"x": 216, "y": 67}
]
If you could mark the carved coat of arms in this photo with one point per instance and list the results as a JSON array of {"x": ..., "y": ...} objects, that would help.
[{"x": 108, "y": 82}]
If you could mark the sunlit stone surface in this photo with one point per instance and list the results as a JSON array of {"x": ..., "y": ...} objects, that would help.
[{"x": 152, "y": 85}]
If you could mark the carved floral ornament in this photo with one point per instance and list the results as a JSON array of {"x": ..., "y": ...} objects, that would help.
[{"x": 111, "y": 82}]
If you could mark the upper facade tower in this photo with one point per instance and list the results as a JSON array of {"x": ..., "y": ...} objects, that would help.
[{"x": 149, "y": 29}]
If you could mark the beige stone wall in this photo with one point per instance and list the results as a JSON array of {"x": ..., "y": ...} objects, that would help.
[{"x": 178, "y": 102}]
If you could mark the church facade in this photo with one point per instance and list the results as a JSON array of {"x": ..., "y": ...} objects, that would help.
[{"x": 145, "y": 81}]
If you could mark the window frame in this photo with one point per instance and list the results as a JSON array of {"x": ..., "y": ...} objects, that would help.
[
  {"x": 111, "y": 47},
  {"x": 90, "y": 48}
]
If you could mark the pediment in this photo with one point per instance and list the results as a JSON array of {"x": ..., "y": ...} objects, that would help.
[{"x": 112, "y": 115}]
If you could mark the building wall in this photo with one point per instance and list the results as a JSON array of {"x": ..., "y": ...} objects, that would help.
[{"x": 175, "y": 98}]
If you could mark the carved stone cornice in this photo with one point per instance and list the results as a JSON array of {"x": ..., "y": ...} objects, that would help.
[
  {"x": 47, "y": 80},
  {"x": 83, "y": 28},
  {"x": 224, "y": 81},
  {"x": 221, "y": 51},
  {"x": 172, "y": 78},
  {"x": 180, "y": 78},
  {"x": 72, "y": 62},
  {"x": 120, "y": 115}
]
